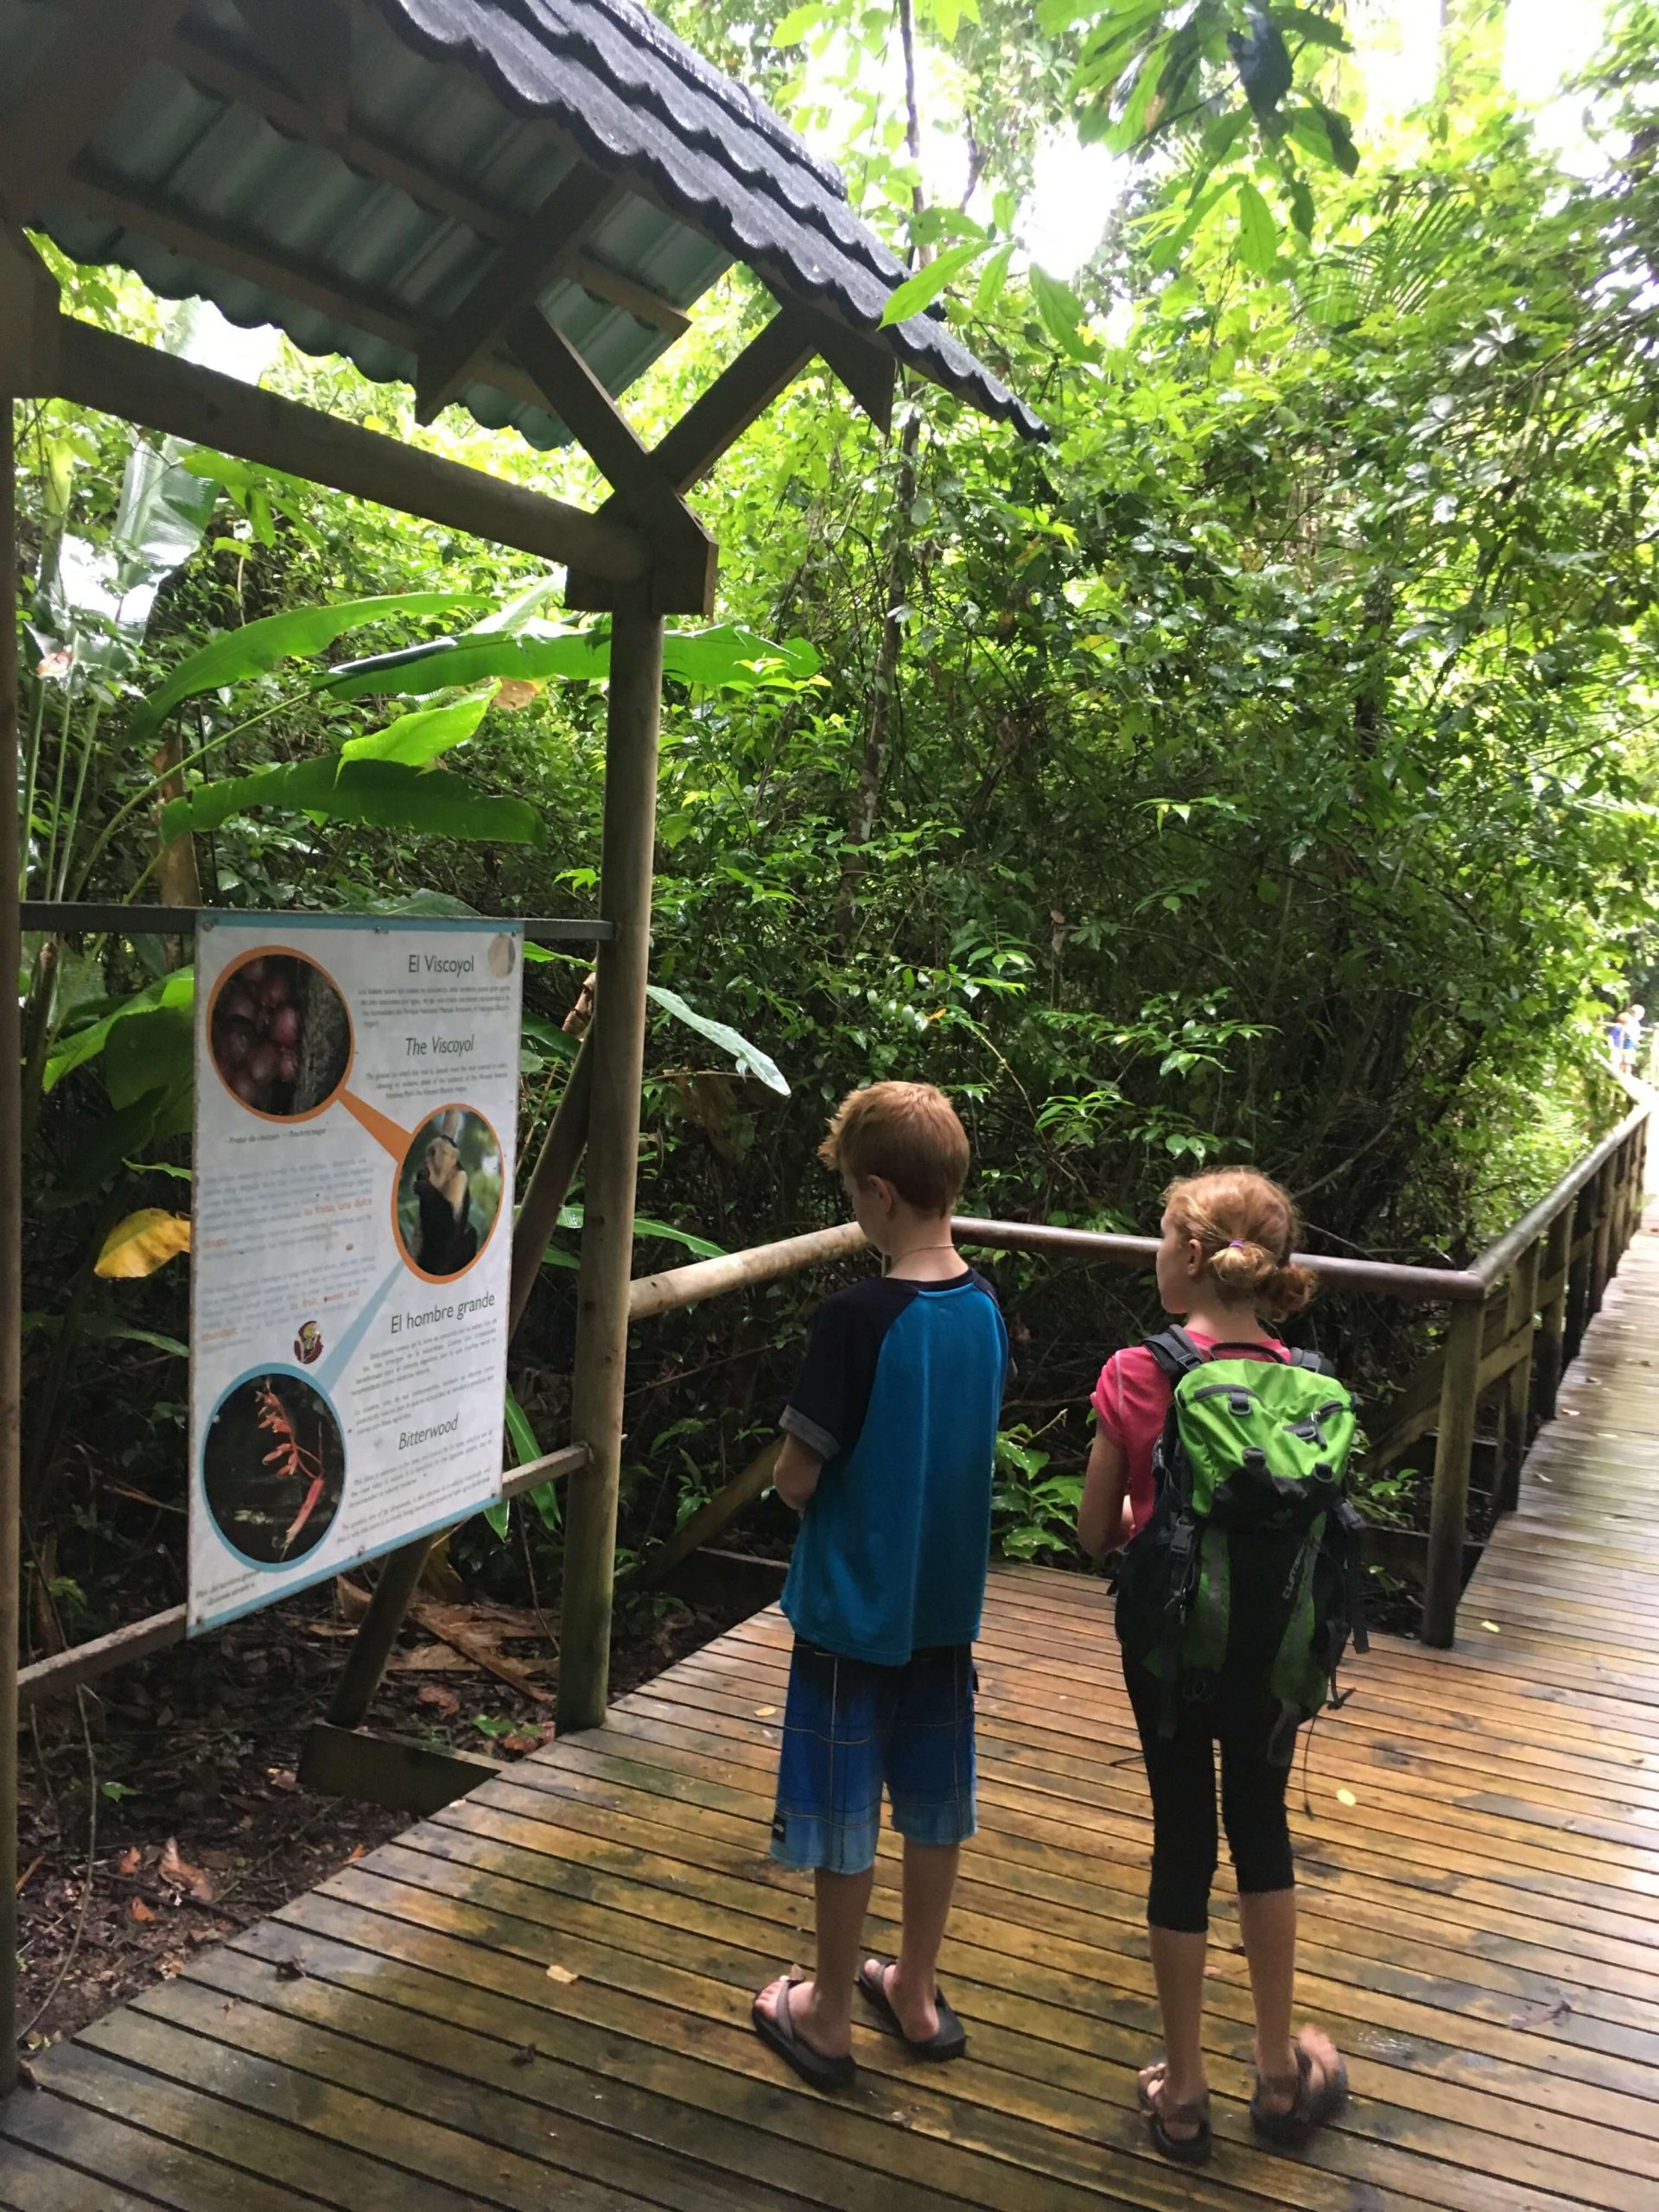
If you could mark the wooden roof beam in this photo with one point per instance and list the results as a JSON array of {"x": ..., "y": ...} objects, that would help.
[
  {"x": 191, "y": 55},
  {"x": 76, "y": 84},
  {"x": 142, "y": 384},
  {"x": 525, "y": 265},
  {"x": 200, "y": 241},
  {"x": 682, "y": 579}
]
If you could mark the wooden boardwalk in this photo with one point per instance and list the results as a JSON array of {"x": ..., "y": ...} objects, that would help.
[{"x": 539, "y": 1998}]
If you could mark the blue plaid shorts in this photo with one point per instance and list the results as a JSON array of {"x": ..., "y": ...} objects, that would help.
[{"x": 851, "y": 1728}]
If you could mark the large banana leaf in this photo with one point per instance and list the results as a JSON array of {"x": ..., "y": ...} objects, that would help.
[
  {"x": 256, "y": 647},
  {"x": 387, "y": 794},
  {"x": 750, "y": 1058},
  {"x": 727, "y": 656},
  {"x": 418, "y": 740},
  {"x": 177, "y": 990},
  {"x": 97, "y": 596}
]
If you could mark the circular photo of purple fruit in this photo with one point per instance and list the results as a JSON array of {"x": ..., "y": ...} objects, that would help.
[{"x": 280, "y": 1035}]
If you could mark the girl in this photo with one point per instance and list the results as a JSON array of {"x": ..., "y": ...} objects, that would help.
[{"x": 1223, "y": 1261}]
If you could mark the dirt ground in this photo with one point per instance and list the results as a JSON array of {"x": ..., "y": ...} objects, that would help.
[{"x": 179, "y": 1773}]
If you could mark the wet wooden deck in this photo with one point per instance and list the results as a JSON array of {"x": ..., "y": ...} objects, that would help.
[{"x": 1481, "y": 1885}]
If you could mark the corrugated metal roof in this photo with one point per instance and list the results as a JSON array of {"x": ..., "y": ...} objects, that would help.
[{"x": 208, "y": 178}]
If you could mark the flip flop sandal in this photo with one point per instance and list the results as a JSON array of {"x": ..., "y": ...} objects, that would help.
[
  {"x": 950, "y": 2040},
  {"x": 1181, "y": 2150},
  {"x": 779, "y": 2033},
  {"x": 1311, "y": 2110}
]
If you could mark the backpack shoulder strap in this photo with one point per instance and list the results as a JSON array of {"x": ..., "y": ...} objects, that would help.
[
  {"x": 1315, "y": 1361},
  {"x": 1175, "y": 1352}
]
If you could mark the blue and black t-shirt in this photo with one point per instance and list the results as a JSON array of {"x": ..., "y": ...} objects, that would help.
[{"x": 900, "y": 1391}]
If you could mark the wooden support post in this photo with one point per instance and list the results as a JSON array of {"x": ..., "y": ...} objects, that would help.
[
  {"x": 11, "y": 1225},
  {"x": 366, "y": 1661},
  {"x": 549, "y": 1182},
  {"x": 619, "y": 1038},
  {"x": 1551, "y": 1340},
  {"x": 1577, "y": 1278},
  {"x": 1600, "y": 1268},
  {"x": 400, "y": 1572},
  {"x": 1459, "y": 1395},
  {"x": 1517, "y": 1390}
]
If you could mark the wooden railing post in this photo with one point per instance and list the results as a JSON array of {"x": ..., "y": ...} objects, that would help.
[
  {"x": 1517, "y": 1388},
  {"x": 1577, "y": 1294},
  {"x": 1552, "y": 1337},
  {"x": 619, "y": 1041},
  {"x": 1449, "y": 1513},
  {"x": 1603, "y": 1217}
]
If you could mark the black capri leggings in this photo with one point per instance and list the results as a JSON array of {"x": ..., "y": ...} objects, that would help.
[{"x": 1181, "y": 1772}]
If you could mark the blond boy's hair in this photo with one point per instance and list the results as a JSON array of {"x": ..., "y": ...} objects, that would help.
[{"x": 908, "y": 1134}]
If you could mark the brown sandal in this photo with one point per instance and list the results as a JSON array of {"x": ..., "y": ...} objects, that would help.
[
  {"x": 1184, "y": 2150},
  {"x": 1310, "y": 2108}
]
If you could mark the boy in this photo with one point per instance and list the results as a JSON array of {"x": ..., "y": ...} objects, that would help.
[{"x": 889, "y": 1437}]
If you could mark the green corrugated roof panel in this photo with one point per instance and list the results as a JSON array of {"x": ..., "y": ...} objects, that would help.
[{"x": 491, "y": 101}]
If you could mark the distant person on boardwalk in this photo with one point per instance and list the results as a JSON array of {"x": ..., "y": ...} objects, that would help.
[
  {"x": 1631, "y": 1021},
  {"x": 1224, "y": 1262},
  {"x": 889, "y": 1437}
]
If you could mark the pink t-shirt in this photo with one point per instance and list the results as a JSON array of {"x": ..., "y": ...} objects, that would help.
[{"x": 1132, "y": 1399}]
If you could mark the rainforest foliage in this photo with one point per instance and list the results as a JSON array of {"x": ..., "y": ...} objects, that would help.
[{"x": 1262, "y": 768}]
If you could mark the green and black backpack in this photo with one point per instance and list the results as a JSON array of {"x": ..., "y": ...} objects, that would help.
[{"x": 1248, "y": 1575}]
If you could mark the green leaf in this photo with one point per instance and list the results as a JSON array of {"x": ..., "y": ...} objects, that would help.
[
  {"x": 153, "y": 1051},
  {"x": 1263, "y": 61},
  {"x": 105, "y": 1329},
  {"x": 793, "y": 27},
  {"x": 727, "y": 655},
  {"x": 919, "y": 291},
  {"x": 256, "y": 647},
  {"x": 1344, "y": 152},
  {"x": 1061, "y": 311},
  {"x": 387, "y": 794},
  {"x": 1319, "y": 30},
  {"x": 645, "y": 1225},
  {"x": 421, "y": 737},
  {"x": 992, "y": 278},
  {"x": 750, "y": 1058},
  {"x": 1258, "y": 234},
  {"x": 178, "y": 989}
]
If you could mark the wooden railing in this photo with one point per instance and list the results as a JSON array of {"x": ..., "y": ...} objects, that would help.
[{"x": 1516, "y": 1317}]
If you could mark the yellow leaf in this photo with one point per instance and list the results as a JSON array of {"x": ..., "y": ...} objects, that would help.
[
  {"x": 1492, "y": 1627},
  {"x": 1346, "y": 1797},
  {"x": 144, "y": 1242},
  {"x": 562, "y": 1974},
  {"x": 515, "y": 692},
  {"x": 765, "y": 1711}
]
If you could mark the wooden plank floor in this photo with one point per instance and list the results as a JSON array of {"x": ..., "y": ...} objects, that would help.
[{"x": 1480, "y": 1871}]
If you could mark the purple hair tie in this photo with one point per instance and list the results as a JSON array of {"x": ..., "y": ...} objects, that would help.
[{"x": 1236, "y": 1245}]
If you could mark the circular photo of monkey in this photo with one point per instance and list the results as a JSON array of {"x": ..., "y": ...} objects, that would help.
[
  {"x": 449, "y": 1192},
  {"x": 273, "y": 1467},
  {"x": 280, "y": 1035}
]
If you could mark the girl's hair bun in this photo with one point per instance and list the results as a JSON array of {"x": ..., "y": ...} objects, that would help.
[{"x": 1248, "y": 1226}]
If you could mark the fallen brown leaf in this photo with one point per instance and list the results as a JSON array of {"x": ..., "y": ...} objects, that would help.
[
  {"x": 140, "y": 1910},
  {"x": 130, "y": 1861},
  {"x": 561, "y": 1974},
  {"x": 282, "y": 1777},
  {"x": 520, "y": 1745},
  {"x": 436, "y": 1696},
  {"x": 193, "y": 1880}
]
